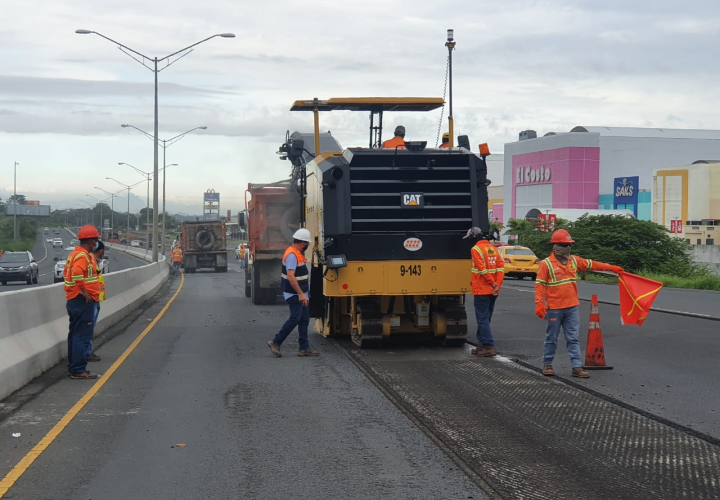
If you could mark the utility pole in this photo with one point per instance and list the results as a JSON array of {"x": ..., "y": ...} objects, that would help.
[
  {"x": 450, "y": 44},
  {"x": 15, "y": 232}
]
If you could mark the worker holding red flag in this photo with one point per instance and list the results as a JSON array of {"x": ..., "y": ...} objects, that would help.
[{"x": 556, "y": 299}]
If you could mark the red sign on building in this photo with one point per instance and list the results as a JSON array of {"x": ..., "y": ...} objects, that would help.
[
  {"x": 673, "y": 226},
  {"x": 32, "y": 202}
]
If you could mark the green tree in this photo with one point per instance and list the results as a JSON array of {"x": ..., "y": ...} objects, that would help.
[{"x": 634, "y": 244}]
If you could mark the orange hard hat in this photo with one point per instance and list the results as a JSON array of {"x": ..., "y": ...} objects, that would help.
[
  {"x": 561, "y": 236},
  {"x": 88, "y": 232}
]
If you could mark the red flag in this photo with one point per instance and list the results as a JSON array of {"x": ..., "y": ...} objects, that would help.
[{"x": 636, "y": 297}]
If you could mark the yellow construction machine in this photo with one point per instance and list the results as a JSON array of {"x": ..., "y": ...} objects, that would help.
[{"x": 388, "y": 254}]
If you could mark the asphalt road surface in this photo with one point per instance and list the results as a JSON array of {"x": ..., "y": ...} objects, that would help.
[
  {"x": 44, "y": 253},
  {"x": 200, "y": 409},
  {"x": 702, "y": 303}
]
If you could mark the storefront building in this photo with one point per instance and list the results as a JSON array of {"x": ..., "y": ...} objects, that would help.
[
  {"x": 686, "y": 200},
  {"x": 593, "y": 168}
]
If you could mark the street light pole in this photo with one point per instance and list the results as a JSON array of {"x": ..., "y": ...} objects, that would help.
[
  {"x": 128, "y": 187},
  {"x": 112, "y": 209},
  {"x": 147, "y": 206},
  {"x": 450, "y": 44},
  {"x": 15, "y": 203},
  {"x": 180, "y": 54},
  {"x": 165, "y": 144}
]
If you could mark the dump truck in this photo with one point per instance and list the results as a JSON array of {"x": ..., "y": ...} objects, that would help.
[
  {"x": 388, "y": 258},
  {"x": 204, "y": 245},
  {"x": 272, "y": 214}
]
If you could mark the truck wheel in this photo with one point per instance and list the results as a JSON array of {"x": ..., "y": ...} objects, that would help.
[
  {"x": 205, "y": 240},
  {"x": 270, "y": 296},
  {"x": 221, "y": 269},
  {"x": 256, "y": 292}
]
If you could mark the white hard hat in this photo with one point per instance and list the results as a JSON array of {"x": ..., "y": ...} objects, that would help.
[{"x": 302, "y": 234}]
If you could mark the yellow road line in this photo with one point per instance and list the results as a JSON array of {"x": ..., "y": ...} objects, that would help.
[{"x": 46, "y": 441}]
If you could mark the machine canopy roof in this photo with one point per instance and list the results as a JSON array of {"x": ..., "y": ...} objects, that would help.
[{"x": 373, "y": 104}]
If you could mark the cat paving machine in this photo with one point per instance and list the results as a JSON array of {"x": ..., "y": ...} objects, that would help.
[{"x": 388, "y": 256}]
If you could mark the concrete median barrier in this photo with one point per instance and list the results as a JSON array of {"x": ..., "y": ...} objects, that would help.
[{"x": 34, "y": 322}]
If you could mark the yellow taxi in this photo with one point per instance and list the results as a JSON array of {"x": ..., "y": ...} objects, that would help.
[{"x": 519, "y": 262}]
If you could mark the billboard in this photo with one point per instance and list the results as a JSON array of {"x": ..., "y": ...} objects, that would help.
[
  {"x": 32, "y": 202},
  {"x": 28, "y": 210},
  {"x": 211, "y": 197},
  {"x": 625, "y": 194}
]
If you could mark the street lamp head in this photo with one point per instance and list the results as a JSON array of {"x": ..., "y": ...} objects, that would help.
[
  {"x": 120, "y": 163},
  {"x": 450, "y": 35},
  {"x": 124, "y": 125},
  {"x": 202, "y": 128},
  {"x": 83, "y": 32},
  {"x": 227, "y": 35}
]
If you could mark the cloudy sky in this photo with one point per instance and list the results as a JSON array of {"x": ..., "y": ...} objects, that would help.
[{"x": 546, "y": 65}]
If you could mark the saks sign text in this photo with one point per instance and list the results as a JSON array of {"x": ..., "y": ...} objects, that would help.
[{"x": 531, "y": 175}]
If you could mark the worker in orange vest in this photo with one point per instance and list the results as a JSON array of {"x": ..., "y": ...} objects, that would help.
[
  {"x": 177, "y": 257},
  {"x": 488, "y": 273},
  {"x": 445, "y": 140},
  {"x": 398, "y": 141},
  {"x": 82, "y": 291},
  {"x": 97, "y": 253},
  {"x": 556, "y": 287}
]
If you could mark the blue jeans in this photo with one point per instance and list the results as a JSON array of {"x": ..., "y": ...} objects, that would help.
[
  {"x": 569, "y": 319},
  {"x": 97, "y": 313},
  {"x": 300, "y": 317},
  {"x": 175, "y": 269},
  {"x": 484, "y": 307},
  {"x": 82, "y": 319}
]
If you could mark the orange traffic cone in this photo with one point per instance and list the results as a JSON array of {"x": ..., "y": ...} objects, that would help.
[{"x": 594, "y": 351}]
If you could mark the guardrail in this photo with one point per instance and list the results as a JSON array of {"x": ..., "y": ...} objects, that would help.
[{"x": 34, "y": 325}]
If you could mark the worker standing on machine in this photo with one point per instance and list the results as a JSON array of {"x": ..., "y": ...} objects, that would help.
[
  {"x": 445, "y": 140},
  {"x": 488, "y": 273},
  {"x": 398, "y": 141},
  {"x": 296, "y": 289}
]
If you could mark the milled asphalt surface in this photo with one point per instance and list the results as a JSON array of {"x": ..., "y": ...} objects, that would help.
[
  {"x": 253, "y": 426},
  {"x": 44, "y": 253},
  {"x": 667, "y": 367}
]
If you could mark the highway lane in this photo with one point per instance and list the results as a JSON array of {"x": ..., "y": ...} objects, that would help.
[
  {"x": 201, "y": 409},
  {"x": 44, "y": 253},
  {"x": 699, "y": 302},
  {"x": 667, "y": 367}
]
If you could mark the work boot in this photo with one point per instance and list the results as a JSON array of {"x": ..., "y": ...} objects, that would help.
[
  {"x": 84, "y": 376},
  {"x": 275, "y": 349},
  {"x": 487, "y": 351},
  {"x": 478, "y": 350},
  {"x": 308, "y": 352},
  {"x": 93, "y": 357},
  {"x": 580, "y": 373},
  {"x": 548, "y": 371}
]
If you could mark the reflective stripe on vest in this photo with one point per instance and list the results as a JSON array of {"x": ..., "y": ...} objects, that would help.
[
  {"x": 102, "y": 287},
  {"x": 553, "y": 281},
  {"x": 301, "y": 272},
  {"x": 486, "y": 270},
  {"x": 91, "y": 278}
]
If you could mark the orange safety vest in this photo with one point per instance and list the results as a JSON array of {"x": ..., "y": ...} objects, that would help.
[
  {"x": 79, "y": 273},
  {"x": 395, "y": 142},
  {"x": 177, "y": 255},
  {"x": 445, "y": 145},
  {"x": 557, "y": 283},
  {"x": 488, "y": 268}
]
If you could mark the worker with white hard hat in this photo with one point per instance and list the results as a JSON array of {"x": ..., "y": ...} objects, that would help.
[{"x": 296, "y": 289}]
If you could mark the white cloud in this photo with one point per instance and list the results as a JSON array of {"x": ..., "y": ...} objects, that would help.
[{"x": 546, "y": 65}]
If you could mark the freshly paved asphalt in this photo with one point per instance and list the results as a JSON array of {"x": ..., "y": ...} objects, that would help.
[
  {"x": 667, "y": 367},
  {"x": 254, "y": 426},
  {"x": 44, "y": 253}
]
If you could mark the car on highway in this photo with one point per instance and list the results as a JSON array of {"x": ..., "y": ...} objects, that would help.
[
  {"x": 57, "y": 242},
  {"x": 136, "y": 243},
  {"x": 57, "y": 231},
  {"x": 49, "y": 239},
  {"x": 520, "y": 262},
  {"x": 18, "y": 266}
]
